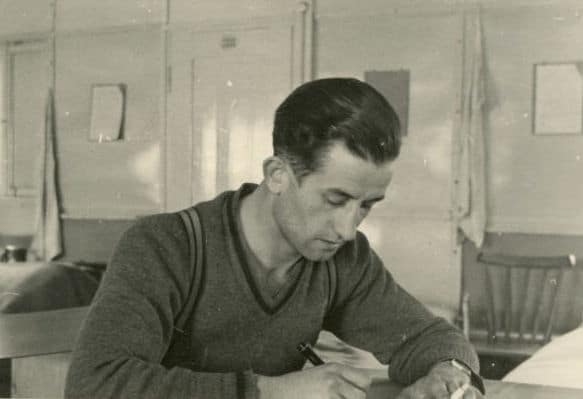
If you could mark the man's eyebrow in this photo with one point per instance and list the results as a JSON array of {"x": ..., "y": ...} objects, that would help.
[{"x": 343, "y": 193}]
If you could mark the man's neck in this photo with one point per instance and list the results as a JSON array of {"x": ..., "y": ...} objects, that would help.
[{"x": 263, "y": 235}]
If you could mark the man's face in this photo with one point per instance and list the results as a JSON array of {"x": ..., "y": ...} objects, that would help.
[{"x": 318, "y": 216}]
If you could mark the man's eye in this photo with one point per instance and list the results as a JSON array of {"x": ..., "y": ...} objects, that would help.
[
  {"x": 367, "y": 205},
  {"x": 335, "y": 202}
]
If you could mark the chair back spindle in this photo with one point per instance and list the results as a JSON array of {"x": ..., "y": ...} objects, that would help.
[{"x": 522, "y": 296}]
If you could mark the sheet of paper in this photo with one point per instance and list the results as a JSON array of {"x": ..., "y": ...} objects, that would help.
[{"x": 107, "y": 112}]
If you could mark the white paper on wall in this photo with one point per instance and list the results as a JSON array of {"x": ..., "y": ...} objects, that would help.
[{"x": 107, "y": 112}]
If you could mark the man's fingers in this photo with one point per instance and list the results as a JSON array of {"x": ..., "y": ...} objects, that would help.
[
  {"x": 359, "y": 378},
  {"x": 441, "y": 391},
  {"x": 344, "y": 381},
  {"x": 453, "y": 386},
  {"x": 349, "y": 391},
  {"x": 460, "y": 392},
  {"x": 472, "y": 393}
]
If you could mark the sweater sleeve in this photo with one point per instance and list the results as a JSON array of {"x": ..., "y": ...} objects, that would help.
[
  {"x": 371, "y": 311},
  {"x": 131, "y": 320}
]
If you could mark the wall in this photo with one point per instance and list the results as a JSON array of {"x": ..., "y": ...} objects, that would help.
[
  {"x": 220, "y": 118},
  {"x": 26, "y": 19},
  {"x": 102, "y": 184},
  {"x": 535, "y": 190},
  {"x": 92, "y": 240},
  {"x": 412, "y": 229},
  {"x": 140, "y": 44},
  {"x": 534, "y": 181},
  {"x": 132, "y": 166}
]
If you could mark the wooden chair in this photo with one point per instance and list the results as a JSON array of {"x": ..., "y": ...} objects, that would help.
[
  {"x": 39, "y": 346},
  {"x": 521, "y": 293}
]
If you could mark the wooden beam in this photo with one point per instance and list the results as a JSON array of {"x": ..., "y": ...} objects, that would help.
[{"x": 37, "y": 333}]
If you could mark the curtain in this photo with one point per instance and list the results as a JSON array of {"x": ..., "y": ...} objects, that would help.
[
  {"x": 47, "y": 240},
  {"x": 471, "y": 185}
]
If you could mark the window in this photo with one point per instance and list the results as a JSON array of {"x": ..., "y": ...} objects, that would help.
[{"x": 24, "y": 81}]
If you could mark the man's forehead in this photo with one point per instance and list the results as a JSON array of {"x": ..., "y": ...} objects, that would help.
[
  {"x": 368, "y": 196},
  {"x": 357, "y": 181}
]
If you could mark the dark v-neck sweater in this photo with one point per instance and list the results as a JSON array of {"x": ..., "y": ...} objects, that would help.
[{"x": 233, "y": 334}]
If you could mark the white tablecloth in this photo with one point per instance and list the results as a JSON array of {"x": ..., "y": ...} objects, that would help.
[{"x": 559, "y": 363}]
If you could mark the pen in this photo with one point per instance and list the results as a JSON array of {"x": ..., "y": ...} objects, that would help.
[
  {"x": 459, "y": 393},
  {"x": 306, "y": 349}
]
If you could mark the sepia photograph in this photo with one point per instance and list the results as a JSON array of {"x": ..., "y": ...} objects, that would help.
[{"x": 291, "y": 199}]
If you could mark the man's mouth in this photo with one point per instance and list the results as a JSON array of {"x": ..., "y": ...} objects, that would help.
[{"x": 332, "y": 244}]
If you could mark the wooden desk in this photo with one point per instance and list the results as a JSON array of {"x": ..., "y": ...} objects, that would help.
[
  {"x": 383, "y": 389},
  {"x": 510, "y": 390},
  {"x": 39, "y": 344}
]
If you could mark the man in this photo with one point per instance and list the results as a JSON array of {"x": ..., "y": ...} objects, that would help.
[{"x": 282, "y": 261}]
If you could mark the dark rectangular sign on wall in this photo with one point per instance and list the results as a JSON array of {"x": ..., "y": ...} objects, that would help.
[{"x": 394, "y": 86}]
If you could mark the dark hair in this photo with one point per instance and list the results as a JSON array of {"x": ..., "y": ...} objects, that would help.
[{"x": 322, "y": 112}]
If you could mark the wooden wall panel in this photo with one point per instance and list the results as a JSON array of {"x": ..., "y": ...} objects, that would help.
[
  {"x": 416, "y": 250},
  {"x": 75, "y": 15},
  {"x": 221, "y": 107},
  {"x": 197, "y": 13},
  {"x": 40, "y": 376},
  {"x": 112, "y": 179},
  {"x": 20, "y": 18},
  {"x": 429, "y": 48},
  {"x": 412, "y": 228},
  {"x": 535, "y": 182}
]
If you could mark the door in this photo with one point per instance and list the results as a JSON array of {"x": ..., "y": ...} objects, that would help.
[{"x": 225, "y": 86}]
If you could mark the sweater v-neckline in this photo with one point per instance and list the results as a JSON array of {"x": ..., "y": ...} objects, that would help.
[{"x": 242, "y": 266}]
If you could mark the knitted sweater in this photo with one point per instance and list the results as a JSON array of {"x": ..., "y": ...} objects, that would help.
[{"x": 232, "y": 335}]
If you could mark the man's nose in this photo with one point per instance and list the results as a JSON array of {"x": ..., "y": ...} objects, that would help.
[{"x": 345, "y": 223}]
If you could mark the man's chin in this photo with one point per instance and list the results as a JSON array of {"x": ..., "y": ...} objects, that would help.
[{"x": 320, "y": 256}]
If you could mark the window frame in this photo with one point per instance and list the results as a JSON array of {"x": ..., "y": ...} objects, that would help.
[{"x": 9, "y": 50}]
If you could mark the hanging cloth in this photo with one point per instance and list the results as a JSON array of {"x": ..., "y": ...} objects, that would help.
[
  {"x": 47, "y": 240},
  {"x": 471, "y": 184}
]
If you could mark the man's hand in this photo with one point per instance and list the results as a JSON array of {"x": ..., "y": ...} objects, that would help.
[
  {"x": 329, "y": 381},
  {"x": 440, "y": 383}
]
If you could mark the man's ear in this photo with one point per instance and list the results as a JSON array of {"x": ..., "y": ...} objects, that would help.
[{"x": 275, "y": 174}]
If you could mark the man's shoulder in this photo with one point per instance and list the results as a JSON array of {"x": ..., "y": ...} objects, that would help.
[
  {"x": 170, "y": 219},
  {"x": 156, "y": 227},
  {"x": 171, "y": 222},
  {"x": 215, "y": 205},
  {"x": 165, "y": 219}
]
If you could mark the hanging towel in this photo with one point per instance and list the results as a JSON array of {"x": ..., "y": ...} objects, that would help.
[
  {"x": 46, "y": 243},
  {"x": 471, "y": 184}
]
